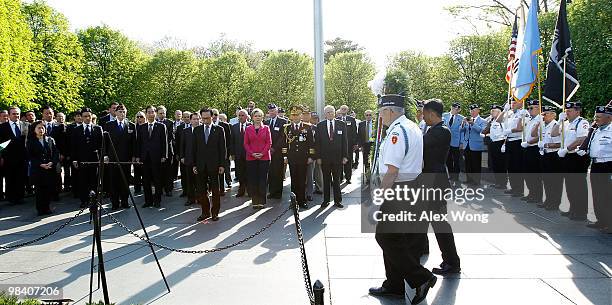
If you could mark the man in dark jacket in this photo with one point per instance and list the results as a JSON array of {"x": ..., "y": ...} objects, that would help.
[
  {"x": 351, "y": 140},
  {"x": 276, "y": 172},
  {"x": 237, "y": 151},
  {"x": 121, "y": 136},
  {"x": 436, "y": 144},
  {"x": 86, "y": 144},
  {"x": 209, "y": 152},
  {"x": 227, "y": 132},
  {"x": 187, "y": 158},
  {"x": 167, "y": 175},
  {"x": 332, "y": 154},
  {"x": 14, "y": 155},
  {"x": 152, "y": 151}
]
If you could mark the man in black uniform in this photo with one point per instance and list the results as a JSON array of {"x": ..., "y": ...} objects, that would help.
[
  {"x": 436, "y": 144},
  {"x": 86, "y": 144},
  {"x": 351, "y": 140},
  {"x": 237, "y": 151},
  {"x": 121, "y": 135},
  {"x": 332, "y": 153},
  {"x": 299, "y": 151},
  {"x": 152, "y": 151},
  {"x": 275, "y": 173}
]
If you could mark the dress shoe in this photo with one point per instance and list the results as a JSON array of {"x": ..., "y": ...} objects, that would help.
[
  {"x": 551, "y": 208},
  {"x": 215, "y": 218},
  {"x": 525, "y": 198},
  {"x": 595, "y": 225},
  {"x": 146, "y": 205},
  {"x": 531, "y": 200},
  {"x": 324, "y": 204},
  {"x": 125, "y": 206},
  {"x": 188, "y": 203},
  {"x": 348, "y": 181},
  {"x": 446, "y": 269},
  {"x": 566, "y": 214},
  {"x": 303, "y": 205},
  {"x": 239, "y": 195},
  {"x": 157, "y": 205},
  {"x": 384, "y": 292},
  {"x": 421, "y": 291},
  {"x": 309, "y": 198},
  {"x": 541, "y": 205},
  {"x": 203, "y": 217},
  {"x": 338, "y": 205}
]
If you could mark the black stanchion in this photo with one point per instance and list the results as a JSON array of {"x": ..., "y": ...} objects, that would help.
[{"x": 319, "y": 293}]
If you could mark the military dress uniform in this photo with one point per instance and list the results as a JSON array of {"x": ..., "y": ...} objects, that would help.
[
  {"x": 402, "y": 243},
  {"x": 514, "y": 152},
  {"x": 600, "y": 151},
  {"x": 575, "y": 166},
  {"x": 495, "y": 130},
  {"x": 551, "y": 165},
  {"x": 453, "y": 122},
  {"x": 298, "y": 149},
  {"x": 532, "y": 160}
]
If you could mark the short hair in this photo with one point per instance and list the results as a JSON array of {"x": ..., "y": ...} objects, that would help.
[
  {"x": 162, "y": 107},
  {"x": 121, "y": 107},
  {"x": 329, "y": 107},
  {"x": 434, "y": 105},
  {"x": 3, "y": 111},
  {"x": 206, "y": 109},
  {"x": 397, "y": 109},
  {"x": 112, "y": 104},
  {"x": 75, "y": 113},
  {"x": 256, "y": 110},
  {"x": 151, "y": 107},
  {"x": 215, "y": 111},
  {"x": 45, "y": 107},
  {"x": 59, "y": 113},
  {"x": 85, "y": 109},
  {"x": 243, "y": 111},
  {"x": 192, "y": 114},
  {"x": 14, "y": 108}
]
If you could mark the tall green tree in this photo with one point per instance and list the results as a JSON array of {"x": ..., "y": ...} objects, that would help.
[
  {"x": 16, "y": 84},
  {"x": 58, "y": 58},
  {"x": 167, "y": 80},
  {"x": 419, "y": 73},
  {"x": 286, "y": 78},
  {"x": 111, "y": 62},
  {"x": 346, "y": 81},
  {"x": 339, "y": 45}
]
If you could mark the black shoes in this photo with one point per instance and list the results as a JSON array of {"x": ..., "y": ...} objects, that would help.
[
  {"x": 157, "y": 205},
  {"x": 338, "y": 205},
  {"x": 421, "y": 291},
  {"x": 595, "y": 225},
  {"x": 303, "y": 205},
  {"x": 309, "y": 198},
  {"x": 384, "y": 292},
  {"x": 146, "y": 205},
  {"x": 324, "y": 204},
  {"x": 446, "y": 269},
  {"x": 215, "y": 218}
]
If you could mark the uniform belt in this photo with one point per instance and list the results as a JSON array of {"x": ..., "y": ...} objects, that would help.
[
  {"x": 602, "y": 160},
  {"x": 512, "y": 140}
]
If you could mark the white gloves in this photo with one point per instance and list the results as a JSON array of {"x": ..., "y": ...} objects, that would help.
[
  {"x": 482, "y": 135},
  {"x": 562, "y": 152},
  {"x": 524, "y": 112},
  {"x": 507, "y": 132},
  {"x": 562, "y": 116},
  {"x": 541, "y": 145},
  {"x": 524, "y": 144},
  {"x": 538, "y": 118},
  {"x": 503, "y": 148},
  {"x": 581, "y": 152},
  {"x": 507, "y": 107}
]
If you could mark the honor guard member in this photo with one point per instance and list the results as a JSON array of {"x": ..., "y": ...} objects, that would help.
[
  {"x": 574, "y": 167},
  {"x": 551, "y": 167},
  {"x": 495, "y": 130},
  {"x": 532, "y": 160},
  {"x": 400, "y": 162},
  {"x": 299, "y": 152},
  {"x": 600, "y": 150},
  {"x": 513, "y": 129},
  {"x": 453, "y": 121},
  {"x": 276, "y": 172},
  {"x": 473, "y": 144}
]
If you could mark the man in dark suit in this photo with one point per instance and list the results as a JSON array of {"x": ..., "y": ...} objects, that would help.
[
  {"x": 187, "y": 158},
  {"x": 121, "y": 135},
  {"x": 86, "y": 145},
  {"x": 276, "y": 172},
  {"x": 58, "y": 133},
  {"x": 227, "y": 132},
  {"x": 351, "y": 140},
  {"x": 152, "y": 151},
  {"x": 179, "y": 126},
  {"x": 332, "y": 154},
  {"x": 14, "y": 155},
  {"x": 77, "y": 120},
  {"x": 366, "y": 137},
  {"x": 436, "y": 145},
  {"x": 111, "y": 116},
  {"x": 210, "y": 153},
  {"x": 237, "y": 151},
  {"x": 167, "y": 173}
]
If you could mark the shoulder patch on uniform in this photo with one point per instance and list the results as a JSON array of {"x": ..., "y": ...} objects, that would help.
[
  {"x": 395, "y": 133},
  {"x": 394, "y": 139}
]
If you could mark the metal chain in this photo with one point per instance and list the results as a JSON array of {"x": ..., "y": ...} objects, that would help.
[
  {"x": 142, "y": 238},
  {"x": 305, "y": 271},
  {"x": 14, "y": 246}
]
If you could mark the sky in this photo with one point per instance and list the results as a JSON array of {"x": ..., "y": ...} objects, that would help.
[{"x": 383, "y": 27}]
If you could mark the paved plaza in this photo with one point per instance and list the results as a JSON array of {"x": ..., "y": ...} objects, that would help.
[{"x": 497, "y": 268}]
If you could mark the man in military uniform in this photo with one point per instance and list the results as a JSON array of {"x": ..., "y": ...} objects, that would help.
[
  {"x": 513, "y": 129},
  {"x": 495, "y": 131},
  {"x": 310, "y": 184},
  {"x": 599, "y": 148},
  {"x": 276, "y": 172},
  {"x": 574, "y": 167},
  {"x": 453, "y": 121},
  {"x": 551, "y": 165},
  {"x": 400, "y": 162},
  {"x": 532, "y": 165},
  {"x": 298, "y": 151}
]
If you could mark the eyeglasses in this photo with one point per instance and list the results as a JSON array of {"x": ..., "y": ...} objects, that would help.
[{"x": 140, "y": 117}]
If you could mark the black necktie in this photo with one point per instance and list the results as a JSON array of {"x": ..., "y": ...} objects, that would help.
[
  {"x": 450, "y": 122},
  {"x": 17, "y": 131},
  {"x": 120, "y": 127},
  {"x": 87, "y": 131}
]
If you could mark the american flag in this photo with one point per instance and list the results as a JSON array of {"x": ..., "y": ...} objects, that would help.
[{"x": 512, "y": 60}]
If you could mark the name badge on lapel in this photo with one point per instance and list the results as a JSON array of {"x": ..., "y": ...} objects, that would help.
[
  {"x": 348, "y": 123},
  {"x": 130, "y": 131},
  {"x": 276, "y": 128},
  {"x": 339, "y": 131}
]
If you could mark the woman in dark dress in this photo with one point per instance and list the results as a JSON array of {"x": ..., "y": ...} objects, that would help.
[{"x": 43, "y": 159}]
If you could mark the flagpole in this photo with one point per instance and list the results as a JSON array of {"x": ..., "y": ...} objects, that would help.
[
  {"x": 562, "y": 125},
  {"x": 539, "y": 95}
]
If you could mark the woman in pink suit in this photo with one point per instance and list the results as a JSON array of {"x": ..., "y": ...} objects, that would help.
[{"x": 257, "y": 143}]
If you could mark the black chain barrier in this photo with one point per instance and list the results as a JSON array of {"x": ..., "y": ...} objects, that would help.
[
  {"x": 305, "y": 271},
  {"x": 131, "y": 232},
  {"x": 29, "y": 242}
]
